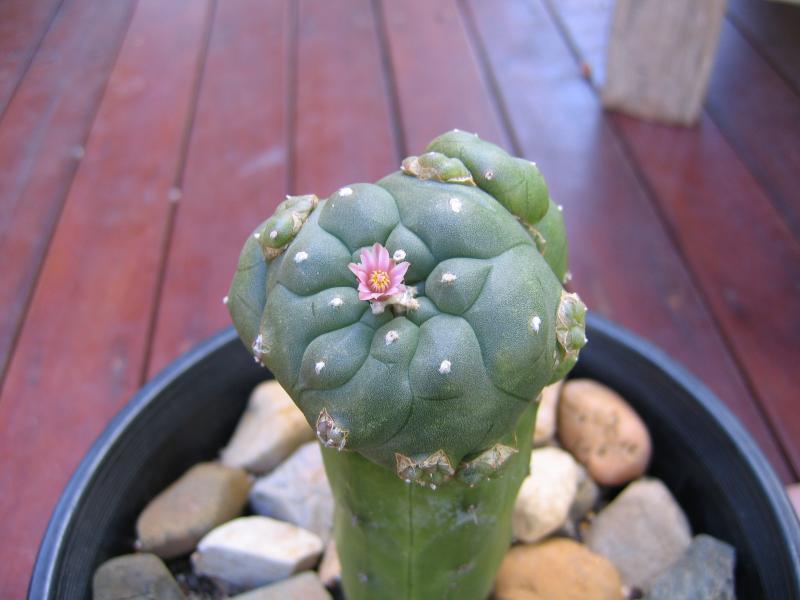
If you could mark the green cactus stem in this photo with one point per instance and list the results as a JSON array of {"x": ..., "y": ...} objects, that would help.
[
  {"x": 414, "y": 321},
  {"x": 397, "y": 540}
]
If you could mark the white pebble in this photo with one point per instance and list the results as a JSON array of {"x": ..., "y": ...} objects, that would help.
[
  {"x": 455, "y": 204},
  {"x": 336, "y": 302},
  {"x": 300, "y": 256},
  {"x": 399, "y": 255},
  {"x": 249, "y": 552},
  {"x": 536, "y": 322},
  {"x": 444, "y": 368},
  {"x": 448, "y": 277},
  {"x": 297, "y": 492},
  {"x": 319, "y": 366},
  {"x": 544, "y": 499},
  {"x": 346, "y": 191},
  {"x": 391, "y": 336}
]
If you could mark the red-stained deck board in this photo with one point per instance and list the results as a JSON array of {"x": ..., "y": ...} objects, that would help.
[
  {"x": 773, "y": 28},
  {"x": 743, "y": 255},
  {"x": 23, "y": 23},
  {"x": 753, "y": 92},
  {"x": 637, "y": 278},
  {"x": 235, "y": 171},
  {"x": 42, "y": 133},
  {"x": 80, "y": 352},
  {"x": 343, "y": 121},
  {"x": 746, "y": 260},
  {"x": 587, "y": 24},
  {"x": 760, "y": 114},
  {"x": 439, "y": 83}
]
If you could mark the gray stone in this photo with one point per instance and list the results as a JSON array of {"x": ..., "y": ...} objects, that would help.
[
  {"x": 643, "y": 532},
  {"x": 704, "y": 572},
  {"x": 305, "y": 586},
  {"x": 271, "y": 429},
  {"x": 544, "y": 500},
  {"x": 207, "y": 495},
  {"x": 297, "y": 492},
  {"x": 556, "y": 569},
  {"x": 254, "y": 551},
  {"x": 133, "y": 577}
]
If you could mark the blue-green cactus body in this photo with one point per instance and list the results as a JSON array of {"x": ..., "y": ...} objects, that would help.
[{"x": 430, "y": 386}]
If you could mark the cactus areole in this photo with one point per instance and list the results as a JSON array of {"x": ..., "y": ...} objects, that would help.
[{"x": 414, "y": 322}]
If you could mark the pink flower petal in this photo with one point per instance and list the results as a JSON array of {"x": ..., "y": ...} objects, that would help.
[
  {"x": 384, "y": 260},
  {"x": 369, "y": 258},
  {"x": 395, "y": 289},
  {"x": 399, "y": 271}
]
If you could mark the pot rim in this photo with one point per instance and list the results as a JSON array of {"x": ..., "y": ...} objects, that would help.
[{"x": 59, "y": 525}]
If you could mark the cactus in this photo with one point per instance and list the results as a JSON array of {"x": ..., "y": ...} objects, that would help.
[{"x": 414, "y": 322}]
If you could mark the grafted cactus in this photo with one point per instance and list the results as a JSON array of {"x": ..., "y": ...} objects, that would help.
[{"x": 414, "y": 322}]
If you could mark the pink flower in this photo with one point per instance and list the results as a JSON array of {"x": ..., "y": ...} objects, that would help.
[{"x": 379, "y": 277}]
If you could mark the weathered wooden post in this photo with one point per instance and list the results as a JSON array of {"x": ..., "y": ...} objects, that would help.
[{"x": 660, "y": 56}]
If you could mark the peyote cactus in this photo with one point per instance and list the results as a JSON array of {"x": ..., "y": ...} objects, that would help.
[{"x": 414, "y": 322}]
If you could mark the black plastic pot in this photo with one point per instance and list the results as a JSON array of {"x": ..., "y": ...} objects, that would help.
[{"x": 187, "y": 413}]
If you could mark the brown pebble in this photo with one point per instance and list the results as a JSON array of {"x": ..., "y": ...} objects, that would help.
[
  {"x": 603, "y": 432},
  {"x": 207, "y": 495},
  {"x": 557, "y": 569}
]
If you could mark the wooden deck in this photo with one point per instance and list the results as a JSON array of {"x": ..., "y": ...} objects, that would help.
[{"x": 141, "y": 141}]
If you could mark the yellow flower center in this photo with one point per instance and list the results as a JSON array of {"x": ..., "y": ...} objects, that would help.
[{"x": 379, "y": 280}]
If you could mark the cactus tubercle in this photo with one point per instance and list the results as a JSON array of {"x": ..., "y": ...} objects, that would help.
[
  {"x": 281, "y": 228},
  {"x": 437, "y": 167}
]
